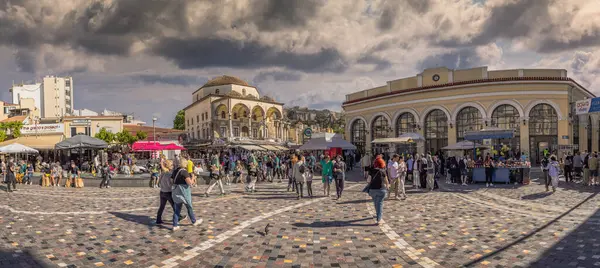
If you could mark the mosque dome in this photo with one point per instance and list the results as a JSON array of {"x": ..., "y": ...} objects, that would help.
[{"x": 225, "y": 80}]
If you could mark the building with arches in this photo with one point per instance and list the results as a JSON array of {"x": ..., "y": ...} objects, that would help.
[
  {"x": 227, "y": 107},
  {"x": 442, "y": 104}
]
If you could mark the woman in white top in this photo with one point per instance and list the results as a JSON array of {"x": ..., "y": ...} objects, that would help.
[
  {"x": 402, "y": 169},
  {"x": 416, "y": 171}
]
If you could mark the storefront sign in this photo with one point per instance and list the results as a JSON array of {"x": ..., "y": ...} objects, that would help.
[
  {"x": 587, "y": 106},
  {"x": 81, "y": 122},
  {"x": 565, "y": 137},
  {"x": 42, "y": 129},
  {"x": 568, "y": 147}
]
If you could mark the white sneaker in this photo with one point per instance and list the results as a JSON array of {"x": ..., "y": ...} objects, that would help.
[
  {"x": 198, "y": 222},
  {"x": 491, "y": 184},
  {"x": 487, "y": 185},
  {"x": 176, "y": 228}
]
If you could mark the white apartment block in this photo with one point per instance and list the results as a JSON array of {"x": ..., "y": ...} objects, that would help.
[{"x": 53, "y": 97}]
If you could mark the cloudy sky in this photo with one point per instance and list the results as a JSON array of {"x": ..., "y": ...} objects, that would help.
[{"x": 147, "y": 56}]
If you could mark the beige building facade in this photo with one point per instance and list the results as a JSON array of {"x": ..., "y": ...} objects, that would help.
[
  {"x": 227, "y": 107},
  {"x": 443, "y": 104}
]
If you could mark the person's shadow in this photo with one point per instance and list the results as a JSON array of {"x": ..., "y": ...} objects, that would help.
[
  {"x": 331, "y": 224},
  {"x": 139, "y": 219}
]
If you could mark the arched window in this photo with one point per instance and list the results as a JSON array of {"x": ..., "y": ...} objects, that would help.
[
  {"x": 543, "y": 121},
  {"x": 468, "y": 119},
  {"x": 405, "y": 123},
  {"x": 507, "y": 116},
  {"x": 358, "y": 135},
  {"x": 379, "y": 128},
  {"x": 223, "y": 114},
  {"x": 436, "y": 130},
  {"x": 235, "y": 116},
  {"x": 217, "y": 91},
  {"x": 254, "y": 117}
]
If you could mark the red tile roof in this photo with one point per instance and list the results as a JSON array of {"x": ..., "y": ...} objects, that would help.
[{"x": 19, "y": 118}]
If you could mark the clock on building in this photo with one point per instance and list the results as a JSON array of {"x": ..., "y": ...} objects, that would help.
[{"x": 436, "y": 77}]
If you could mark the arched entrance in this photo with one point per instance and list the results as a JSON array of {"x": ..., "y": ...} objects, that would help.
[
  {"x": 379, "y": 130},
  {"x": 543, "y": 131},
  {"x": 468, "y": 119},
  {"x": 358, "y": 135},
  {"x": 507, "y": 116},
  {"x": 436, "y": 131},
  {"x": 245, "y": 132},
  {"x": 406, "y": 123}
]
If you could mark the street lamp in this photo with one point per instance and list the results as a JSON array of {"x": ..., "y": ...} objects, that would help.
[{"x": 154, "y": 129}]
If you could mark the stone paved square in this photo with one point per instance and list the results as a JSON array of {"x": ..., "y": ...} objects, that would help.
[{"x": 452, "y": 227}]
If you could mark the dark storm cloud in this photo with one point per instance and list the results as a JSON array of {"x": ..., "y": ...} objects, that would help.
[
  {"x": 380, "y": 63},
  {"x": 461, "y": 59},
  {"x": 199, "y": 53},
  {"x": 25, "y": 61},
  {"x": 393, "y": 8},
  {"x": 276, "y": 76},
  {"x": 522, "y": 19},
  {"x": 277, "y": 14},
  {"x": 176, "y": 80}
]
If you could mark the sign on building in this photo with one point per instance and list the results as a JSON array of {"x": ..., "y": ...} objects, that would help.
[
  {"x": 41, "y": 129},
  {"x": 587, "y": 106}
]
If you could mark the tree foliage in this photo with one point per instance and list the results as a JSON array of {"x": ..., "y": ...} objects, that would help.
[
  {"x": 179, "y": 121},
  {"x": 13, "y": 127},
  {"x": 105, "y": 135},
  {"x": 125, "y": 137},
  {"x": 2, "y": 135},
  {"x": 141, "y": 135}
]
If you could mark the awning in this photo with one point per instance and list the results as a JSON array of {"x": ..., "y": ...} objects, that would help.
[
  {"x": 490, "y": 133},
  {"x": 41, "y": 142},
  {"x": 270, "y": 147},
  {"x": 251, "y": 147},
  {"x": 281, "y": 148}
]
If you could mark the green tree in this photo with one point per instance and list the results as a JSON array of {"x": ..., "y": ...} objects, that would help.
[
  {"x": 2, "y": 135},
  {"x": 124, "y": 137},
  {"x": 141, "y": 135},
  {"x": 179, "y": 121},
  {"x": 105, "y": 135}
]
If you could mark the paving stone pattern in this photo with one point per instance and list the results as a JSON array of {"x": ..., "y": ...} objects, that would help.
[{"x": 500, "y": 226}]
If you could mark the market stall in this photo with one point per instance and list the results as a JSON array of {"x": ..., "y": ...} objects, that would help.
[
  {"x": 505, "y": 170},
  {"x": 330, "y": 144}
]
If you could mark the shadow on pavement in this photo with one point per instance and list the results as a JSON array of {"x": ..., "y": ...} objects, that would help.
[
  {"x": 22, "y": 259},
  {"x": 573, "y": 241},
  {"x": 140, "y": 219},
  {"x": 536, "y": 196},
  {"x": 330, "y": 224}
]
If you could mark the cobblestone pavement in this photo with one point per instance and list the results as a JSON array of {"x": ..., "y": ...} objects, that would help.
[{"x": 500, "y": 226}]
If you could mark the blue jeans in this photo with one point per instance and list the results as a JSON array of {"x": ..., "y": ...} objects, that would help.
[
  {"x": 177, "y": 213},
  {"x": 378, "y": 195}
]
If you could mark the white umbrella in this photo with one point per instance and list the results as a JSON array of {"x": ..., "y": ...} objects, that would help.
[
  {"x": 411, "y": 136},
  {"x": 17, "y": 148},
  {"x": 464, "y": 145}
]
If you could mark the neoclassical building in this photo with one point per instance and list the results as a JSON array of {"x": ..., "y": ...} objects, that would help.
[
  {"x": 442, "y": 104},
  {"x": 227, "y": 107}
]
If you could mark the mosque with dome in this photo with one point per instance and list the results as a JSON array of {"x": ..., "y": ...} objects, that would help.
[{"x": 228, "y": 108}]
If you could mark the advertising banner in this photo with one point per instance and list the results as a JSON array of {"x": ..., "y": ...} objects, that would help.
[
  {"x": 587, "y": 106},
  {"x": 41, "y": 129}
]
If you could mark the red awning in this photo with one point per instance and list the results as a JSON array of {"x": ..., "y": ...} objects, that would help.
[{"x": 142, "y": 146}]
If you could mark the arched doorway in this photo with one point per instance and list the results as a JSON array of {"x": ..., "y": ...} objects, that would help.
[
  {"x": 468, "y": 119},
  {"x": 245, "y": 132},
  {"x": 507, "y": 116},
  {"x": 379, "y": 130},
  {"x": 543, "y": 131},
  {"x": 436, "y": 131},
  {"x": 406, "y": 123},
  {"x": 358, "y": 135}
]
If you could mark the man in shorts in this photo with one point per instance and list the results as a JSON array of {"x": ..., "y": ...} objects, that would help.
[{"x": 74, "y": 171}]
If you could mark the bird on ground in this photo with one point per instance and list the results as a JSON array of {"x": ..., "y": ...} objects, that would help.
[{"x": 267, "y": 228}]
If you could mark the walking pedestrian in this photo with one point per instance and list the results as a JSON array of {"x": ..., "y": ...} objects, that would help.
[
  {"x": 402, "y": 171},
  {"x": 215, "y": 176},
  {"x": 298, "y": 170},
  {"x": 545, "y": 165},
  {"x": 416, "y": 172},
  {"x": 568, "y": 168},
  {"x": 309, "y": 179},
  {"x": 553, "y": 171},
  {"x": 11, "y": 178},
  {"x": 165, "y": 184},
  {"x": 339, "y": 174},
  {"x": 378, "y": 188},
  {"x": 430, "y": 173},
  {"x": 106, "y": 175},
  {"x": 593, "y": 166},
  {"x": 326, "y": 174},
  {"x": 489, "y": 171},
  {"x": 392, "y": 172},
  {"x": 182, "y": 194}
]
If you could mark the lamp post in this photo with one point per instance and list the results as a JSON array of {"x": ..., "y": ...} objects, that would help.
[{"x": 154, "y": 129}]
